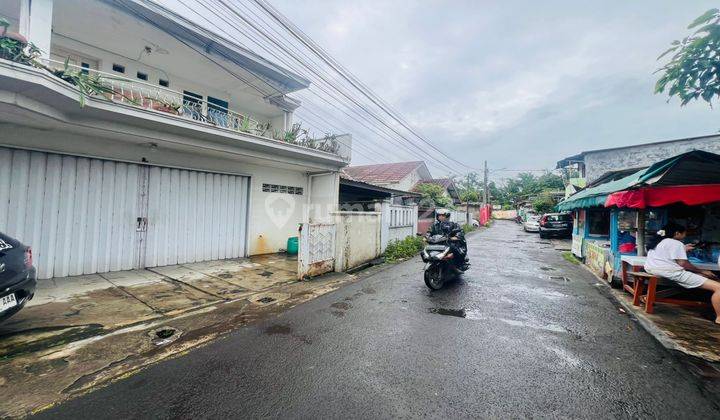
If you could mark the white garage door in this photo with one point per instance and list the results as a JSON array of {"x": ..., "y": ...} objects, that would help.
[{"x": 85, "y": 216}]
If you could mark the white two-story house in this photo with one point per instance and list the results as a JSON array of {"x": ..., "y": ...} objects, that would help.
[{"x": 182, "y": 157}]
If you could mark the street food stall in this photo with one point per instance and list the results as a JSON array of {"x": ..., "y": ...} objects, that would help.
[{"x": 684, "y": 189}]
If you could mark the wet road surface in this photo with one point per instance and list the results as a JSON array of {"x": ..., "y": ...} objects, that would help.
[{"x": 524, "y": 334}]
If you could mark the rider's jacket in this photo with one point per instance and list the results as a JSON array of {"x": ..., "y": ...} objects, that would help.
[{"x": 444, "y": 228}]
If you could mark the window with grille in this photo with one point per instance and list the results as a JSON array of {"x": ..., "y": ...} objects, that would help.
[{"x": 283, "y": 189}]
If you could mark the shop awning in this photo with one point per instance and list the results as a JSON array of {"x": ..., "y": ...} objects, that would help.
[
  {"x": 596, "y": 196},
  {"x": 691, "y": 195},
  {"x": 688, "y": 169}
]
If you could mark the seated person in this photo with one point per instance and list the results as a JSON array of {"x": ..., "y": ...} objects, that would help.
[{"x": 667, "y": 257}]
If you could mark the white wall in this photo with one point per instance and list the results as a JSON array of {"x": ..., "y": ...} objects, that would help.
[
  {"x": 409, "y": 181},
  {"x": 39, "y": 25},
  {"x": 398, "y": 222},
  {"x": 323, "y": 198},
  {"x": 599, "y": 162},
  {"x": 357, "y": 239}
]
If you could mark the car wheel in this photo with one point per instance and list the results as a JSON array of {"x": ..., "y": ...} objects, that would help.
[{"x": 543, "y": 235}]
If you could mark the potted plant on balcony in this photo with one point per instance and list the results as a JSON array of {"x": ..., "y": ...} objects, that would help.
[
  {"x": 15, "y": 47},
  {"x": 166, "y": 106}
]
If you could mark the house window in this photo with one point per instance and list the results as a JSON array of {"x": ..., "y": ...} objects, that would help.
[
  {"x": 164, "y": 83},
  {"x": 283, "y": 189},
  {"x": 118, "y": 68},
  {"x": 142, "y": 76},
  {"x": 85, "y": 68}
]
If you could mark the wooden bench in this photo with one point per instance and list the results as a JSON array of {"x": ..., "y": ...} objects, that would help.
[{"x": 653, "y": 295}]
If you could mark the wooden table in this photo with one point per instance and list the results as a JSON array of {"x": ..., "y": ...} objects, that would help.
[{"x": 637, "y": 263}]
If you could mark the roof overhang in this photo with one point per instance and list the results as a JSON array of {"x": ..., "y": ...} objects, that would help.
[
  {"x": 563, "y": 163},
  {"x": 378, "y": 189}
]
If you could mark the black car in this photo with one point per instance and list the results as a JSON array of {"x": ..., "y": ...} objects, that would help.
[
  {"x": 556, "y": 224},
  {"x": 18, "y": 277}
]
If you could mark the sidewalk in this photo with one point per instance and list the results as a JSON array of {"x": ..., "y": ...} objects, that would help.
[
  {"x": 70, "y": 308},
  {"x": 677, "y": 328},
  {"x": 85, "y": 331}
]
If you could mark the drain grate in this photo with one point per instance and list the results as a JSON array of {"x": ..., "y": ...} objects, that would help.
[
  {"x": 266, "y": 299},
  {"x": 164, "y": 335},
  {"x": 225, "y": 275},
  {"x": 559, "y": 278}
]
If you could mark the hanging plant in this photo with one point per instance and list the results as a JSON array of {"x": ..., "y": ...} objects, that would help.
[{"x": 15, "y": 47}]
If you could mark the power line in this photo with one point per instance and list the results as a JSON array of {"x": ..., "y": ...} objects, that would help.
[
  {"x": 316, "y": 72},
  {"x": 354, "y": 81},
  {"x": 304, "y": 64},
  {"x": 279, "y": 58}
]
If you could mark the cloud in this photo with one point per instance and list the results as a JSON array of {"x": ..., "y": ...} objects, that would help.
[{"x": 521, "y": 84}]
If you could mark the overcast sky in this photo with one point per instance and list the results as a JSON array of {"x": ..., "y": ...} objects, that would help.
[{"x": 519, "y": 83}]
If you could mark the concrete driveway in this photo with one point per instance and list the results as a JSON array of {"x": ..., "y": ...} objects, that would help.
[{"x": 71, "y": 308}]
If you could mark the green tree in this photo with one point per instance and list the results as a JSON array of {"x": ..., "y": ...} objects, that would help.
[
  {"x": 470, "y": 187},
  {"x": 694, "y": 68},
  {"x": 469, "y": 196},
  {"x": 544, "y": 204},
  {"x": 550, "y": 182},
  {"x": 433, "y": 194}
]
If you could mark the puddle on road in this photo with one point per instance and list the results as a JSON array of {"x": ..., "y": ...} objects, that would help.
[
  {"x": 460, "y": 313},
  {"x": 476, "y": 316}
]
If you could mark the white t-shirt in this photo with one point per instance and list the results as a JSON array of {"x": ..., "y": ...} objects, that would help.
[{"x": 663, "y": 257}]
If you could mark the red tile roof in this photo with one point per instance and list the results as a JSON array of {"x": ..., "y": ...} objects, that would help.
[{"x": 382, "y": 173}]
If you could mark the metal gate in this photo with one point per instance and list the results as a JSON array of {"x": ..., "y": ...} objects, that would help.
[
  {"x": 84, "y": 216},
  {"x": 316, "y": 254}
]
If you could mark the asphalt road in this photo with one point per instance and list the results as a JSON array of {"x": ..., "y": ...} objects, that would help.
[{"x": 539, "y": 338}]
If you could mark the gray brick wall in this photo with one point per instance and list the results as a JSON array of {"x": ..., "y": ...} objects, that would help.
[{"x": 598, "y": 163}]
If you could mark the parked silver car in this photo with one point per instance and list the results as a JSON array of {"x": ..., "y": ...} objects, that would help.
[{"x": 532, "y": 224}]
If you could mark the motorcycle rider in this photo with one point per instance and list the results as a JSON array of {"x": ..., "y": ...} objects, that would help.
[{"x": 458, "y": 246}]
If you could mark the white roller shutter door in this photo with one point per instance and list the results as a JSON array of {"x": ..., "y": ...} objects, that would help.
[{"x": 80, "y": 215}]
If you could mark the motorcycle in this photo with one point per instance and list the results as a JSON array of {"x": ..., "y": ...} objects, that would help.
[{"x": 440, "y": 265}]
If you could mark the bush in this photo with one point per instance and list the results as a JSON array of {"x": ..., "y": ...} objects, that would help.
[
  {"x": 405, "y": 248},
  {"x": 544, "y": 205},
  {"x": 468, "y": 228}
]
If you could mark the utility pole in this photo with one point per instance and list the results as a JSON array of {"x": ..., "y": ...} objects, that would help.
[{"x": 485, "y": 187}]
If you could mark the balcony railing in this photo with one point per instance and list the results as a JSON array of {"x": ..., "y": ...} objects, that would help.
[{"x": 162, "y": 99}]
